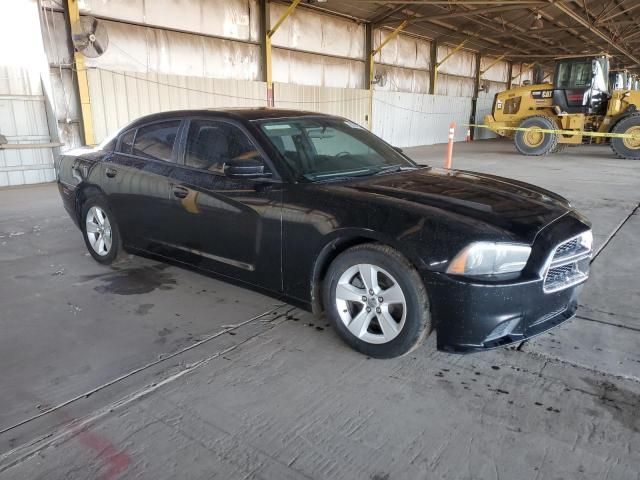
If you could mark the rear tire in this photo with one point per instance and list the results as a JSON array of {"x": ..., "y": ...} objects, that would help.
[
  {"x": 378, "y": 278},
  {"x": 536, "y": 143},
  {"x": 627, "y": 147},
  {"x": 100, "y": 230}
]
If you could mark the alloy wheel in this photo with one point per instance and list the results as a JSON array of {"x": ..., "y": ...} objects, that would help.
[
  {"x": 371, "y": 303},
  {"x": 99, "y": 231}
]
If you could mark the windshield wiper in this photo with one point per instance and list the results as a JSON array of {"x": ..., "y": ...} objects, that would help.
[{"x": 393, "y": 169}]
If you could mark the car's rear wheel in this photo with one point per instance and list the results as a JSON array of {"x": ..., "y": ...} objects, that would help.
[
  {"x": 100, "y": 231},
  {"x": 376, "y": 301}
]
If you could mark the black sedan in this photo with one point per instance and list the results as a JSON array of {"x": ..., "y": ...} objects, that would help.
[{"x": 316, "y": 210}]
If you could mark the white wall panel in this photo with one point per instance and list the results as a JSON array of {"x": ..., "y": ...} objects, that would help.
[
  {"x": 409, "y": 119},
  {"x": 397, "y": 79},
  {"x": 461, "y": 63},
  {"x": 497, "y": 73},
  {"x": 23, "y": 114},
  {"x": 403, "y": 50},
  {"x": 120, "y": 97},
  {"x": 454, "y": 86},
  {"x": 235, "y": 19},
  {"x": 317, "y": 70},
  {"x": 346, "y": 102},
  {"x": 134, "y": 48},
  {"x": 316, "y": 32}
]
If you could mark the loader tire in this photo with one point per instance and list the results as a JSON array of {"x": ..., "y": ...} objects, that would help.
[
  {"x": 536, "y": 143},
  {"x": 627, "y": 147}
]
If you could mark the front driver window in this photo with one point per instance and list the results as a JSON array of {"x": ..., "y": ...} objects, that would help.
[{"x": 211, "y": 144}]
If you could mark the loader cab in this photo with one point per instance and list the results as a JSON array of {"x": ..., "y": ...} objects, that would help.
[
  {"x": 618, "y": 80},
  {"x": 581, "y": 85}
]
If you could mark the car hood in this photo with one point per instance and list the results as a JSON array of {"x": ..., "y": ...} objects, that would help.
[{"x": 516, "y": 207}]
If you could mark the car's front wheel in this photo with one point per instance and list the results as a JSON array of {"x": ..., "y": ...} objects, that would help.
[
  {"x": 101, "y": 234},
  {"x": 376, "y": 301}
]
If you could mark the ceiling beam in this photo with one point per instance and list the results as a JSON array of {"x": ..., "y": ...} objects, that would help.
[
  {"x": 467, "y": 13},
  {"x": 451, "y": 3},
  {"x": 596, "y": 31}
]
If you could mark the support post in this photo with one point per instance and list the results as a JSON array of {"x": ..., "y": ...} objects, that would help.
[
  {"x": 368, "y": 67},
  {"x": 509, "y": 73},
  {"x": 476, "y": 91},
  {"x": 267, "y": 47},
  {"x": 371, "y": 62},
  {"x": 263, "y": 26},
  {"x": 73, "y": 17},
  {"x": 433, "y": 62}
]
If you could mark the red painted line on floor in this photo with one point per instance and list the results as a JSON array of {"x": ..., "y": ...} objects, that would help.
[{"x": 117, "y": 460}]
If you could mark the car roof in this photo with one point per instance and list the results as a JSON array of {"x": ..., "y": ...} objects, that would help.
[{"x": 247, "y": 114}]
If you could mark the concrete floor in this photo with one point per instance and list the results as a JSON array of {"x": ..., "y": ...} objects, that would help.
[{"x": 148, "y": 371}]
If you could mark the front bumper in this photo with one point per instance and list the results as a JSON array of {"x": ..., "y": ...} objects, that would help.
[{"x": 471, "y": 317}]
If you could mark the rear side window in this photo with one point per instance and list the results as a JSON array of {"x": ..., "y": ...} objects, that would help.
[
  {"x": 126, "y": 141},
  {"x": 156, "y": 140}
]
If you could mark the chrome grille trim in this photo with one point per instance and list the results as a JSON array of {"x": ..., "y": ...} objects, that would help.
[{"x": 567, "y": 266}]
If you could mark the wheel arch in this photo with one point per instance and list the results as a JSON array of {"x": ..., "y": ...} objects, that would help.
[
  {"x": 337, "y": 245},
  {"x": 83, "y": 191}
]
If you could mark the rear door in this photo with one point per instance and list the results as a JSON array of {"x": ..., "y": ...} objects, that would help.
[
  {"x": 231, "y": 226},
  {"x": 136, "y": 181}
]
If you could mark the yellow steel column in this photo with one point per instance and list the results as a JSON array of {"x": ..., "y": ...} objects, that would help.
[
  {"x": 81, "y": 72},
  {"x": 268, "y": 62},
  {"x": 372, "y": 55}
]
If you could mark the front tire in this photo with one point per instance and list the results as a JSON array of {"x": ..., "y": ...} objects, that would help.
[
  {"x": 376, "y": 301},
  {"x": 533, "y": 142},
  {"x": 100, "y": 230},
  {"x": 627, "y": 147}
]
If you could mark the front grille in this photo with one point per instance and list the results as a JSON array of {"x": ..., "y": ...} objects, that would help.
[
  {"x": 567, "y": 248},
  {"x": 569, "y": 264}
]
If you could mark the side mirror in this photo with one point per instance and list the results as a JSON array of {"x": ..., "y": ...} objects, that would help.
[{"x": 249, "y": 168}]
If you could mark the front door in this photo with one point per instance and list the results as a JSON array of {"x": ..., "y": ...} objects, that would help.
[{"x": 231, "y": 226}]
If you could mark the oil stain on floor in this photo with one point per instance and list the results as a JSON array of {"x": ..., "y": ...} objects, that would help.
[{"x": 136, "y": 281}]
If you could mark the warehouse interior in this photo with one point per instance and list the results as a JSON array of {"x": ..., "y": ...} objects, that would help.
[{"x": 149, "y": 370}]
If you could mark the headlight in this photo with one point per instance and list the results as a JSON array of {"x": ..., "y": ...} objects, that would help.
[
  {"x": 586, "y": 239},
  {"x": 487, "y": 258}
]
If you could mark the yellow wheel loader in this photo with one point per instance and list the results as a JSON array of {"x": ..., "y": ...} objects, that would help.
[{"x": 537, "y": 117}]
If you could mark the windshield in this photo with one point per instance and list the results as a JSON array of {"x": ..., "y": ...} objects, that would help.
[
  {"x": 331, "y": 148},
  {"x": 574, "y": 74}
]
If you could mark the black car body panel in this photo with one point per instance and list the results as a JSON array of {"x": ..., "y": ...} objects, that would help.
[{"x": 278, "y": 233}]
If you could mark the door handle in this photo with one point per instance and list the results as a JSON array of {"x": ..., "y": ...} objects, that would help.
[
  {"x": 180, "y": 192},
  {"x": 110, "y": 172}
]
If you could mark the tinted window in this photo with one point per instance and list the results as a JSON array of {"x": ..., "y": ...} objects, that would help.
[
  {"x": 211, "y": 144},
  {"x": 156, "y": 140},
  {"x": 575, "y": 74},
  {"x": 126, "y": 141}
]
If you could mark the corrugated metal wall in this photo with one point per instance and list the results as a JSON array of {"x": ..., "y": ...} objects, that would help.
[
  {"x": 409, "y": 119},
  {"x": 23, "y": 108},
  {"x": 120, "y": 97},
  {"x": 349, "y": 103}
]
